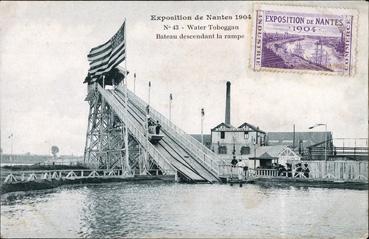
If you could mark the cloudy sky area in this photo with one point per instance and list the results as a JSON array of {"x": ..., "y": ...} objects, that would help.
[{"x": 43, "y": 63}]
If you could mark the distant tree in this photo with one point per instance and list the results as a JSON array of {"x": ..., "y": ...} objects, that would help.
[{"x": 54, "y": 150}]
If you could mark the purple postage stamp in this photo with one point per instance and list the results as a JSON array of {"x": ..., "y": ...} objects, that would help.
[{"x": 303, "y": 39}]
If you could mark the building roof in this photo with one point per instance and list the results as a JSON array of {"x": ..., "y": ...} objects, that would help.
[
  {"x": 251, "y": 126},
  {"x": 269, "y": 151},
  {"x": 275, "y": 151},
  {"x": 286, "y": 138},
  {"x": 223, "y": 125}
]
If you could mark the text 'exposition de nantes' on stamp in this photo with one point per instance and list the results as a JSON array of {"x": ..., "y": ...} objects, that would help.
[{"x": 304, "y": 39}]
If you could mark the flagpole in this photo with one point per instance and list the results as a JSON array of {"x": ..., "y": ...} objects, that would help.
[
  {"x": 126, "y": 103},
  {"x": 134, "y": 83},
  {"x": 202, "y": 125},
  {"x": 170, "y": 107},
  {"x": 149, "y": 92}
]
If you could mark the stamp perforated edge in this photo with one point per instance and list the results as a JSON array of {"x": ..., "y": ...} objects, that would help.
[{"x": 354, "y": 38}]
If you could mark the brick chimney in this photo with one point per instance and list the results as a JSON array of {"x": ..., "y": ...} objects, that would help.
[{"x": 228, "y": 104}]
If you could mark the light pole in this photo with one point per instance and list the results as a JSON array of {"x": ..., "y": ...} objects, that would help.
[
  {"x": 234, "y": 145},
  {"x": 254, "y": 143},
  {"x": 326, "y": 138},
  {"x": 11, "y": 136},
  {"x": 202, "y": 125}
]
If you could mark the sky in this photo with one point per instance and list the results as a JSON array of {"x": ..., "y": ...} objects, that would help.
[{"x": 44, "y": 46}]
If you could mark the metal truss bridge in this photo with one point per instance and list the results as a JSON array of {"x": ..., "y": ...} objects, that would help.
[{"x": 117, "y": 138}]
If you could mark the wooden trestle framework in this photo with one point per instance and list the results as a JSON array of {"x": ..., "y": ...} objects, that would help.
[{"x": 105, "y": 146}]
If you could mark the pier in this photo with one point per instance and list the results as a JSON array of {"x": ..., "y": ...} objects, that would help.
[
  {"x": 339, "y": 171},
  {"x": 47, "y": 179}
]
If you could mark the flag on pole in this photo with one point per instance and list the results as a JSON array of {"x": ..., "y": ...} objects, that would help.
[
  {"x": 202, "y": 112},
  {"x": 170, "y": 96},
  {"x": 107, "y": 56}
]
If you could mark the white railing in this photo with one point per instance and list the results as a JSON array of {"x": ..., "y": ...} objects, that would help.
[
  {"x": 207, "y": 157},
  {"x": 266, "y": 172},
  {"x": 133, "y": 128},
  {"x": 231, "y": 171},
  {"x": 39, "y": 175},
  {"x": 63, "y": 162}
]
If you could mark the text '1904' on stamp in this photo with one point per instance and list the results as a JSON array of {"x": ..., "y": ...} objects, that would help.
[{"x": 304, "y": 39}]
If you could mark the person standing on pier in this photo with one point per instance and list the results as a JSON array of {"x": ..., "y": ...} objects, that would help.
[
  {"x": 246, "y": 171},
  {"x": 234, "y": 161},
  {"x": 233, "y": 164},
  {"x": 241, "y": 167}
]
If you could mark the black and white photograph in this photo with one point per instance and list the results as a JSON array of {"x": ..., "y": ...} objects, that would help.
[{"x": 188, "y": 119}]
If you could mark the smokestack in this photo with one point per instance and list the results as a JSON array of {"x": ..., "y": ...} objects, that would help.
[{"x": 228, "y": 104}]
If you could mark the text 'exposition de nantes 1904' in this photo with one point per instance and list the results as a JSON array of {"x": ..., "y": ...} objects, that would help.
[{"x": 304, "y": 39}]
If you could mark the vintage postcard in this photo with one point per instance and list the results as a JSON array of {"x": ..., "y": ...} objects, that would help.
[{"x": 192, "y": 119}]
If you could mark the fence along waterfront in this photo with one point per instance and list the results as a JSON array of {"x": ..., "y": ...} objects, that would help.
[{"x": 339, "y": 170}]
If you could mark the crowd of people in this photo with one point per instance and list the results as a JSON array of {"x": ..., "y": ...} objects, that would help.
[
  {"x": 300, "y": 171},
  {"x": 287, "y": 171}
]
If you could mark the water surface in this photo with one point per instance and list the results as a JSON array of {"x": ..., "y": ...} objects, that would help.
[{"x": 182, "y": 210}]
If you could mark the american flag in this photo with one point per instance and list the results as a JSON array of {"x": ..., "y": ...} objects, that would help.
[{"x": 105, "y": 57}]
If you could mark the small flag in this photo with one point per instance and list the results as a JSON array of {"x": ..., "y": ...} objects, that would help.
[
  {"x": 170, "y": 96},
  {"x": 105, "y": 57},
  {"x": 202, "y": 112},
  {"x": 149, "y": 83},
  {"x": 134, "y": 75}
]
